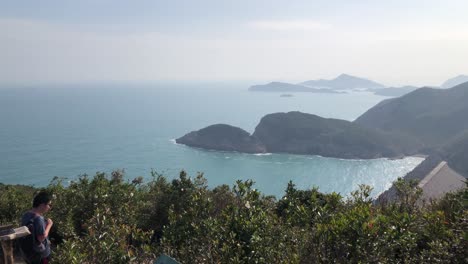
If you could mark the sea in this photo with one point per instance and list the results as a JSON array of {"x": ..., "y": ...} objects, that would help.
[{"x": 67, "y": 130}]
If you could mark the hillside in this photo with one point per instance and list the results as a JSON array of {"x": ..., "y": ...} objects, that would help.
[
  {"x": 395, "y": 91},
  {"x": 299, "y": 133},
  {"x": 432, "y": 116},
  {"x": 456, "y": 153}
]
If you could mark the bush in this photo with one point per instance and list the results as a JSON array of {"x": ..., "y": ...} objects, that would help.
[{"x": 105, "y": 219}]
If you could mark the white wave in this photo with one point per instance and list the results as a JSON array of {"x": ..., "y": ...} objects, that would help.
[{"x": 263, "y": 154}]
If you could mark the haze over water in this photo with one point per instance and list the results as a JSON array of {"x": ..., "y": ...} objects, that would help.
[{"x": 68, "y": 130}]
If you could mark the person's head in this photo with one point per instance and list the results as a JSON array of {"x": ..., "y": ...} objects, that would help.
[{"x": 42, "y": 202}]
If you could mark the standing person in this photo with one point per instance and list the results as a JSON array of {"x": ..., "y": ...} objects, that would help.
[{"x": 36, "y": 247}]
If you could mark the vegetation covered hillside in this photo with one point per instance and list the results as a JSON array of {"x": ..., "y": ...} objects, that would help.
[
  {"x": 435, "y": 119},
  {"x": 456, "y": 153},
  {"x": 431, "y": 116},
  {"x": 302, "y": 133},
  {"x": 104, "y": 219}
]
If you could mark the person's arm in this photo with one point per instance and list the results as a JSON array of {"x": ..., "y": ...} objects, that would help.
[{"x": 48, "y": 226}]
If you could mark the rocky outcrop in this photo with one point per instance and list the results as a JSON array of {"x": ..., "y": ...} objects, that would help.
[{"x": 222, "y": 137}]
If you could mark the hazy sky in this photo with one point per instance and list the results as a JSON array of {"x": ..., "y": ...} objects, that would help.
[{"x": 398, "y": 42}]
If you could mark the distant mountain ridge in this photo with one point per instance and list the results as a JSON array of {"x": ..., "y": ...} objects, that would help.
[
  {"x": 338, "y": 85},
  {"x": 344, "y": 82},
  {"x": 455, "y": 81}
]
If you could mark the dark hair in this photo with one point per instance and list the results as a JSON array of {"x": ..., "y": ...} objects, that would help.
[{"x": 41, "y": 198}]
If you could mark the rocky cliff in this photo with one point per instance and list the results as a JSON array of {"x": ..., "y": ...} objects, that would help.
[{"x": 222, "y": 137}]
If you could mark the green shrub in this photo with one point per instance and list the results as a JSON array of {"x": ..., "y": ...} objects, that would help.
[
  {"x": 105, "y": 219},
  {"x": 14, "y": 201}
]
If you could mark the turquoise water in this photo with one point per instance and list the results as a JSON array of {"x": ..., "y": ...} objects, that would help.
[{"x": 69, "y": 130}]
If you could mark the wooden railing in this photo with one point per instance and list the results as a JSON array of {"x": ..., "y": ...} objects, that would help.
[{"x": 7, "y": 235}]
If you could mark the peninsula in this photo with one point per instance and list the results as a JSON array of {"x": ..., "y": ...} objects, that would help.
[{"x": 425, "y": 121}]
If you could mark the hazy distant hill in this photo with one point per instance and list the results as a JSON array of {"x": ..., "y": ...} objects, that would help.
[
  {"x": 287, "y": 87},
  {"x": 455, "y": 81},
  {"x": 395, "y": 91},
  {"x": 344, "y": 82},
  {"x": 432, "y": 116}
]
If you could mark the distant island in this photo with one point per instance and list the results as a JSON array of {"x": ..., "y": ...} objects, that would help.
[
  {"x": 338, "y": 85},
  {"x": 346, "y": 82},
  {"x": 425, "y": 121},
  {"x": 287, "y": 87}
]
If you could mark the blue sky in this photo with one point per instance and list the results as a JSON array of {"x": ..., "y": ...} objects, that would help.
[{"x": 393, "y": 42}]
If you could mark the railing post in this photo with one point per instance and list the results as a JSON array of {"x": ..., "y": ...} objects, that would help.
[{"x": 7, "y": 246}]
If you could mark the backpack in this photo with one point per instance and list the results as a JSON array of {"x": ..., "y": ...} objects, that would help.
[{"x": 31, "y": 249}]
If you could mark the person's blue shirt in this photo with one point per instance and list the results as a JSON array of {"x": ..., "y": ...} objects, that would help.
[{"x": 39, "y": 224}]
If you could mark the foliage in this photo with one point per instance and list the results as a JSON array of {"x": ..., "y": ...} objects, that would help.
[
  {"x": 108, "y": 240},
  {"x": 14, "y": 200},
  {"x": 105, "y": 219}
]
